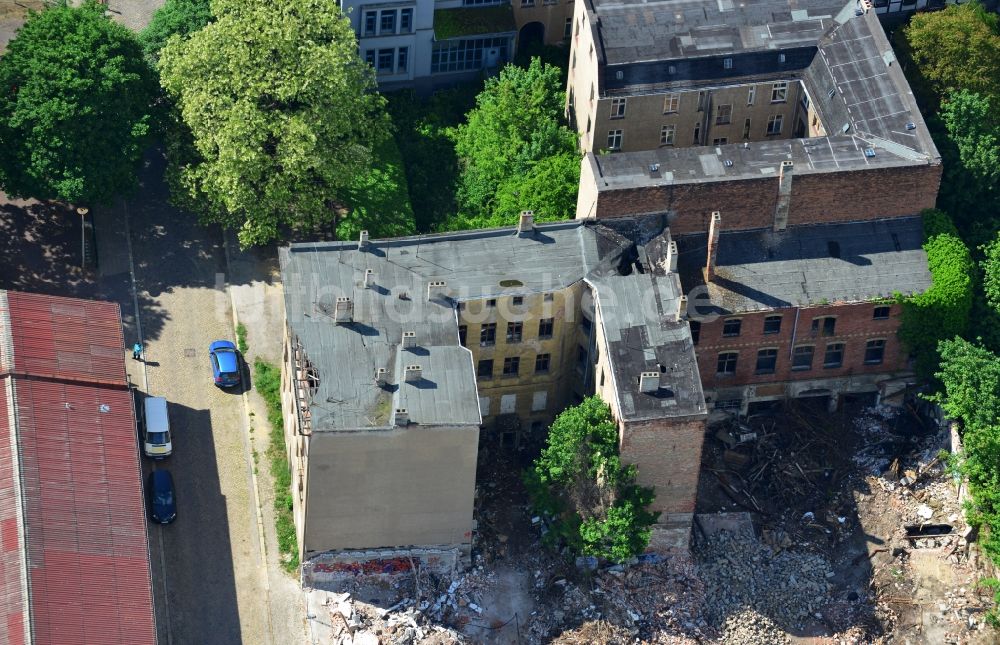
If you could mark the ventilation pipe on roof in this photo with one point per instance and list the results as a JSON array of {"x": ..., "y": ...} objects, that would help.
[
  {"x": 682, "y": 304},
  {"x": 363, "y": 241},
  {"x": 402, "y": 417},
  {"x": 369, "y": 278},
  {"x": 436, "y": 288},
  {"x": 413, "y": 373},
  {"x": 343, "y": 311},
  {"x": 784, "y": 196},
  {"x": 526, "y": 223},
  {"x": 649, "y": 382},
  {"x": 713, "y": 245},
  {"x": 409, "y": 339}
]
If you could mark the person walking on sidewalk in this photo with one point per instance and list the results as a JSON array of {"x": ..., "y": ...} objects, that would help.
[{"x": 137, "y": 352}]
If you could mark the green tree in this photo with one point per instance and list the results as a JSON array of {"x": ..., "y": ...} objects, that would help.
[
  {"x": 75, "y": 109},
  {"x": 281, "y": 116},
  {"x": 942, "y": 311},
  {"x": 970, "y": 375},
  {"x": 180, "y": 17},
  {"x": 580, "y": 481},
  {"x": 970, "y": 150},
  {"x": 515, "y": 126},
  {"x": 955, "y": 49}
]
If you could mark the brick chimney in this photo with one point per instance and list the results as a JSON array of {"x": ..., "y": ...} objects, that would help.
[
  {"x": 672, "y": 257},
  {"x": 649, "y": 382},
  {"x": 369, "y": 278},
  {"x": 784, "y": 196},
  {"x": 409, "y": 339},
  {"x": 363, "y": 241},
  {"x": 713, "y": 245},
  {"x": 413, "y": 373},
  {"x": 343, "y": 311},
  {"x": 436, "y": 289},
  {"x": 526, "y": 223},
  {"x": 402, "y": 417},
  {"x": 682, "y": 304}
]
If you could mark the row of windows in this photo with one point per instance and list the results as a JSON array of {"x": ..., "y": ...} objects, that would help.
[
  {"x": 515, "y": 332},
  {"x": 388, "y": 60},
  {"x": 525, "y": 4},
  {"x": 802, "y": 358},
  {"x": 668, "y": 132},
  {"x": 827, "y": 325},
  {"x": 512, "y": 366},
  {"x": 467, "y": 54},
  {"x": 515, "y": 301},
  {"x": 388, "y": 22},
  {"x": 672, "y": 102}
]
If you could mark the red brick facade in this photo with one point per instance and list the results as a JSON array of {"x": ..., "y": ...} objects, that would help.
[
  {"x": 855, "y": 325},
  {"x": 817, "y": 198},
  {"x": 668, "y": 455}
]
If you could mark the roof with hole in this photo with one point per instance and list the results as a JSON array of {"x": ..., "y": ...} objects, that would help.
[
  {"x": 807, "y": 265},
  {"x": 474, "y": 265},
  {"x": 74, "y": 568}
]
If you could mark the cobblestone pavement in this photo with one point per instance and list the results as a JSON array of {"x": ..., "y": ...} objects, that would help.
[
  {"x": 209, "y": 572},
  {"x": 134, "y": 14}
]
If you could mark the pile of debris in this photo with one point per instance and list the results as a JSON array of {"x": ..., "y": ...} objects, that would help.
[
  {"x": 755, "y": 592},
  {"x": 340, "y": 619}
]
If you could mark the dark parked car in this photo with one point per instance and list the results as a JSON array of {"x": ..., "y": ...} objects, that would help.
[
  {"x": 162, "y": 500},
  {"x": 225, "y": 363}
]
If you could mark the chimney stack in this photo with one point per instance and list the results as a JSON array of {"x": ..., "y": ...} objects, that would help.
[
  {"x": 784, "y": 196},
  {"x": 436, "y": 288},
  {"x": 672, "y": 257},
  {"x": 363, "y": 242},
  {"x": 409, "y": 339},
  {"x": 526, "y": 223},
  {"x": 713, "y": 245},
  {"x": 381, "y": 377},
  {"x": 369, "y": 278},
  {"x": 682, "y": 304},
  {"x": 343, "y": 311},
  {"x": 402, "y": 417},
  {"x": 413, "y": 373},
  {"x": 649, "y": 382}
]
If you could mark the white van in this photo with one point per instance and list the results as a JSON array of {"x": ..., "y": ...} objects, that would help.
[{"x": 156, "y": 428}]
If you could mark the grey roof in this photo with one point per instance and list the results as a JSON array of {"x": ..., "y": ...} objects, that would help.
[
  {"x": 853, "y": 262},
  {"x": 854, "y": 82},
  {"x": 637, "y": 30},
  {"x": 638, "y": 312},
  {"x": 474, "y": 265}
]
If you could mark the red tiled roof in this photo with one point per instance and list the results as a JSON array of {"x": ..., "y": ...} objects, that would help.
[{"x": 82, "y": 516}]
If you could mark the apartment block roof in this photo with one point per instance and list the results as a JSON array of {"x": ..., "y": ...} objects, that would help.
[
  {"x": 75, "y": 564},
  {"x": 473, "y": 265},
  {"x": 761, "y": 269},
  {"x": 637, "y": 31},
  {"x": 859, "y": 93}
]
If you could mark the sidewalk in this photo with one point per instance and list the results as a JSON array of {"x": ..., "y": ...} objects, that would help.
[{"x": 258, "y": 303}]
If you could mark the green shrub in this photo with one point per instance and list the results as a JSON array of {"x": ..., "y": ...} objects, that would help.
[
  {"x": 241, "y": 338},
  {"x": 267, "y": 380}
]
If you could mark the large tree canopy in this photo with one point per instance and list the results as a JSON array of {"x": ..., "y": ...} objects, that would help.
[
  {"x": 281, "y": 112},
  {"x": 955, "y": 49},
  {"x": 580, "y": 482},
  {"x": 180, "y": 17},
  {"x": 74, "y": 107},
  {"x": 513, "y": 139}
]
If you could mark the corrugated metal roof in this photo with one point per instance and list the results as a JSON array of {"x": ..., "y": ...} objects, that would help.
[
  {"x": 84, "y": 523},
  {"x": 63, "y": 338}
]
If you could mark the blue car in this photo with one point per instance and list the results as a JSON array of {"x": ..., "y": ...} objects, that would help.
[
  {"x": 225, "y": 363},
  {"x": 162, "y": 501}
]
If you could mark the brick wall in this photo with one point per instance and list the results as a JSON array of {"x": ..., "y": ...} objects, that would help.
[
  {"x": 668, "y": 455},
  {"x": 854, "y": 327},
  {"x": 749, "y": 203}
]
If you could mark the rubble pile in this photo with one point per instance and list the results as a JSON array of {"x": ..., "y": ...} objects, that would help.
[
  {"x": 772, "y": 589},
  {"x": 341, "y": 619}
]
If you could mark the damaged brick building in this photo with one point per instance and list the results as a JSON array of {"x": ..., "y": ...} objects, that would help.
[{"x": 695, "y": 280}]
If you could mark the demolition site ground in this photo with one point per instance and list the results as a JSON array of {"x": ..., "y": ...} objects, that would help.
[{"x": 811, "y": 527}]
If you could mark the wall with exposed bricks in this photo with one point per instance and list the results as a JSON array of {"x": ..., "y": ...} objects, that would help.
[
  {"x": 856, "y": 195},
  {"x": 854, "y": 327},
  {"x": 668, "y": 455}
]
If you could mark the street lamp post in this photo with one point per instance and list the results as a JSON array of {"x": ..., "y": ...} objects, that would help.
[{"x": 83, "y": 236}]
